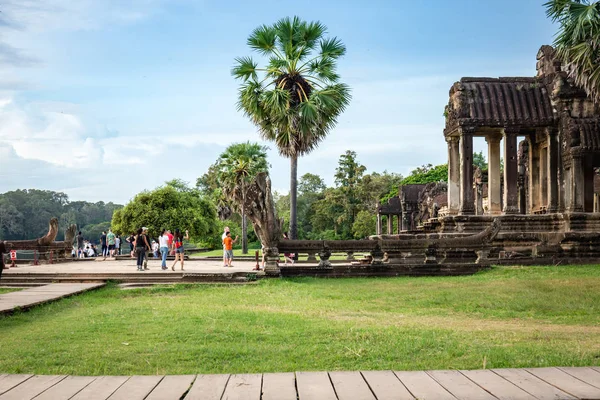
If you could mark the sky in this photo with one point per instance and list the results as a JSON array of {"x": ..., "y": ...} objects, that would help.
[{"x": 102, "y": 99}]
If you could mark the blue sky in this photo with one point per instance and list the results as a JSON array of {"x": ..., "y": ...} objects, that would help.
[{"x": 104, "y": 98}]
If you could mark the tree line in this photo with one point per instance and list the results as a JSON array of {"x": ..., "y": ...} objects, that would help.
[{"x": 24, "y": 214}]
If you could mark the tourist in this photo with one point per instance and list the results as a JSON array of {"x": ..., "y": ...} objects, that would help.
[
  {"x": 80, "y": 245},
  {"x": 103, "y": 244},
  {"x": 287, "y": 256},
  {"x": 90, "y": 252},
  {"x": 141, "y": 246},
  {"x": 110, "y": 239},
  {"x": 223, "y": 236},
  {"x": 118, "y": 245},
  {"x": 163, "y": 244},
  {"x": 154, "y": 249},
  {"x": 131, "y": 241},
  {"x": 170, "y": 236},
  {"x": 178, "y": 246},
  {"x": 228, "y": 245}
]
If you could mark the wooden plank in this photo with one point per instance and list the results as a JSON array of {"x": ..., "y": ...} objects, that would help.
[
  {"x": 350, "y": 386},
  {"x": 497, "y": 385},
  {"x": 279, "y": 386},
  {"x": 101, "y": 388},
  {"x": 314, "y": 386},
  {"x": 10, "y": 381},
  {"x": 137, "y": 387},
  {"x": 66, "y": 388},
  {"x": 588, "y": 375},
  {"x": 171, "y": 387},
  {"x": 532, "y": 384},
  {"x": 32, "y": 387},
  {"x": 422, "y": 386},
  {"x": 208, "y": 387},
  {"x": 460, "y": 386},
  {"x": 566, "y": 382},
  {"x": 386, "y": 385},
  {"x": 243, "y": 387}
]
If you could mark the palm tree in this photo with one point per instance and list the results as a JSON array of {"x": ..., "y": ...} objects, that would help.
[
  {"x": 577, "y": 41},
  {"x": 236, "y": 167},
  {"x": 297, "y": 98}
]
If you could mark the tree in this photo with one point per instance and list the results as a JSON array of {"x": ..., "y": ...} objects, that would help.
[
  {"x": 479, "y": 161},
  {"x": 348, "y": 175},
  {"x": 235, "y": 169},
  {"x": 167, "y": 208},
  {"x": 297, "y": 99},
  {"x": 364, "y": 225},
  {"x": 577, "y": 41},
  {"x": 426, "y": 174}
]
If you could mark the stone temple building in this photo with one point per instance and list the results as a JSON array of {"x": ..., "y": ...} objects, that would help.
[{"x": 560, "y": 128}]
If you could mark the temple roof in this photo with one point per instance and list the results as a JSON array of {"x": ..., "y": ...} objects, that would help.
[{"x": 499, "y": 102}]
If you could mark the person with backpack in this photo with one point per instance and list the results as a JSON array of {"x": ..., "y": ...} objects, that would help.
[{"x": 178, "y": 246}]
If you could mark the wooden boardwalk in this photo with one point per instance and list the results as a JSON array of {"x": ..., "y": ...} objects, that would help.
[
  {"x": 495, "y": 384},
  {"x": 26, "y": 298}
]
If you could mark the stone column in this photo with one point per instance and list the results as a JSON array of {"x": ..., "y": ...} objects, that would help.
[
  {"x": 467, "y": 205},
  {"x": 510, "y": 171},
  {"x": 543, "y": 176},
  {"x": 552, "y": 170},
  {"x": 588, "y": 187},
  {"x": 494, "y": 189},
  {"x": 379, "y": 224},
  {"x": 577, "y": 183},
  {"x": 453, "y": 175},
  {"x": 399, "y": 223},
  {"x": 534, "y": 174},
  {"x": 390, "y": 224}
]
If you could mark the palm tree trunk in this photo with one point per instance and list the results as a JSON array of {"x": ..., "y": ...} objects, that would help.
[
  {"x": 244, "y": 233},
  {"x": 293, "y": 234}
]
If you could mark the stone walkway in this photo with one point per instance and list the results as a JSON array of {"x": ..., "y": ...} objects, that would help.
[
  {"x": 26, "y": 298},
  {"x": 515, "y": 384}
]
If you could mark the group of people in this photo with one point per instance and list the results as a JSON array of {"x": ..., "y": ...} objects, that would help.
[
  {"x": 110, "y": 246},
  {"x": 140, "y": 244}
]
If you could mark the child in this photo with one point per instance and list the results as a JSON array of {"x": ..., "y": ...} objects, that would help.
[{"x": 228, "y": 245}]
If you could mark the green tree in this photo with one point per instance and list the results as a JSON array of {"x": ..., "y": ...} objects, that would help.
[
  {"x": 577, "y": 41},
  {"x": 364, "y": 225},
  {"x": 235, "y": 169},
  {"x": 348, "y": 175},
  {"x": 426, "y": 174},
  {"x": 479, "y": 161},
  {"x": 168, "y": 208},
  {"x": 297, "y": 98}
]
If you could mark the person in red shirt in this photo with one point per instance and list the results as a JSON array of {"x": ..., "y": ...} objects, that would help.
[
  {"x": 228, "y": 245},
  {"x": 170, "y": 240}
]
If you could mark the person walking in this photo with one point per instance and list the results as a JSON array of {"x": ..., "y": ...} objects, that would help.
[
  {"x": 154, "y": 249},
  {"x": 103, "y": 244},
  {"x": 228, "y": 245},
  {"x": 178, "y": 246},
  {"x": 223, "y": 236},
  {"x": 163, "y": 244},
  {"x": 141, "y": 246},
  {"x": 110, "y": 240}
]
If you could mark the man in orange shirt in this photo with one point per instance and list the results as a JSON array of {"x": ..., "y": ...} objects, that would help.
[{"x": 228, "y": 244}]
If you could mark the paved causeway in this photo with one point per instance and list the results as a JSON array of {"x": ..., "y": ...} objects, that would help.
[
  {"x": 26, "y": 298},
  {"x": 531, "y": 383}
]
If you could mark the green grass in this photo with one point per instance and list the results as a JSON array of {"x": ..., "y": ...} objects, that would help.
[
  {"x": 504, "y": 317},
  {"x": 8, "y": 290}
]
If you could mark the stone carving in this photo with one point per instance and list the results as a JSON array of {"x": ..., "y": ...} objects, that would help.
[
  {"x": 431, "y": 199},
  {"x": 260, "y": 209},
  {"x": 46, "y": 243}
]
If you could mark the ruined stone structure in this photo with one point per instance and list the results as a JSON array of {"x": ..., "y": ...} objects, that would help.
[{"x": 560, "y": 125}]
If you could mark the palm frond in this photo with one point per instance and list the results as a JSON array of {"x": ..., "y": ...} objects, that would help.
[
  {"x": 245, "y": 69},
  {"x": 332, "y": 48},
  {"x": 263, "y": 39}
]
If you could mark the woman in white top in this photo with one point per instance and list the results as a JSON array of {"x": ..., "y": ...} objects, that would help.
[{"x": 163, "y": 243}]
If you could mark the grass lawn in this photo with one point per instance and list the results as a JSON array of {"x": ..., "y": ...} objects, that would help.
[
  {"x": 8, "y": 290},
  {"x": 504, "y": 317}
]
